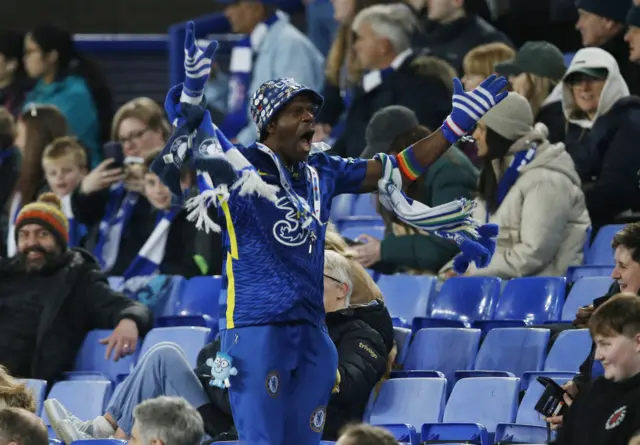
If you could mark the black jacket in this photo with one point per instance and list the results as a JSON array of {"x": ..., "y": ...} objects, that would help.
[
  {"x": 552, "y": 116},
  {"x": 79, "y": 301},
  {"x": 363, "y": 337},
  {"x": 608, "y": 413},
  {"x": 608, "y": 161},
  {"x": 417, "y": 84}
]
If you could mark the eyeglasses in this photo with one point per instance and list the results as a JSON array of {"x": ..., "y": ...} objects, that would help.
[
  {"x": 133, "y": 135},
  {"x": 333, "y": 279}
]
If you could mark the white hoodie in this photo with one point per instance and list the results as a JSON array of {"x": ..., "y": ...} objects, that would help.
[{"x": 615, "y": 88}]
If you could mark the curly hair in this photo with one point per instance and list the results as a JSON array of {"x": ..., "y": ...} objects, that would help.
[{"x": 15, "y": 394}]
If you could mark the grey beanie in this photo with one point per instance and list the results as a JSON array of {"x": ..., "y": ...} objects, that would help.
[{"x": 512, "y": 118}]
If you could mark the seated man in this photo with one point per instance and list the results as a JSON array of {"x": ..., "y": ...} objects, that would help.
[
  {"x": 166, "y": 421},
  {"x": 51, "y": 296},
  {"x": 363, "y": 336},
  {"x": 608, "y": 412}
]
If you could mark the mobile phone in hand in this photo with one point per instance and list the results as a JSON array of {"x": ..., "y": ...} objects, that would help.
[{"x": 114, "y": 151}]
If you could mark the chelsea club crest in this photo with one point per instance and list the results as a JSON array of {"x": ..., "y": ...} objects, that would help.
[
  {"x": 273, "y": 383},
  {"x": 178, "y": 151},
  {"x": 317, "y": 419},
  {"x": 211, "y": 147}
]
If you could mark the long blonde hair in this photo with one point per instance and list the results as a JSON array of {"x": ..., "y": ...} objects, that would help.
[
  {"x": 539, "y": 90},
  {"x": 14, "y": 394},
  {"x": 482, "y": 59}
]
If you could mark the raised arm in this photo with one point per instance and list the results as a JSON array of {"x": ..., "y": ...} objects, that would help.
[{"x": 468, "y": 108}]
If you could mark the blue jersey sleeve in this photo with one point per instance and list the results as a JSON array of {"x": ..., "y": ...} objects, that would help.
[{"x": 346, "y": 174}]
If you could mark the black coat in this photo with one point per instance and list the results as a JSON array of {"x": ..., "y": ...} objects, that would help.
[
  {"x": 416, "y": 84},
  {"x": 608, "y": 161},
  {"x": 79, "y": 300},
  {"x": 363, "y": 337}
]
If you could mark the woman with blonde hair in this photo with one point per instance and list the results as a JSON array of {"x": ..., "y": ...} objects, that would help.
[
  {"x": 140, "y": 126},
  {"x": 480, "y": 62},
  {"x": 535, "y": 72},
  {"x": 15, "y": 394}
]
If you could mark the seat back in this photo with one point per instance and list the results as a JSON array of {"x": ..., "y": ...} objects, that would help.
[
  {"x": 583, "y": 292},
  {"x": 407, "y": 296},
  {"x": 443, "y": 349},
  {"x": 569, "y": 351},
  {"x": 357, "y": 228},
  {"x": 575, "y": 272},
  {"x": 532, "y": 299},
  {"x": 199, "y": 296},
  {"x": 516, "y": 350},
  {"x": 157, "y": 291},
  {"x": 412, "y": 401},
  {"x": 86, "y": 399},
  {"x": 466, "y": 299},
  {"x": 38, "y": 388},
  {"x": 527, "y": 414},
  {"x": 600, "y": 253},
  {"x": 484, "y": 400},
  {"x": 402, "y": 337},
  {"x": 90, "y": 357},
  {"x": 364, "y": 205},
  {"x": 191, "y": 340},
  {"x": 341, "y": 206}
]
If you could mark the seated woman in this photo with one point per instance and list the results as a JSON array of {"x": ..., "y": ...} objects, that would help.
[
  {"x": 363, "y": 336},
  {"x": 530, "y": 188}
]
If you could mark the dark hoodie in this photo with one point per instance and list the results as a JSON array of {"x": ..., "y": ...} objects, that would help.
[
  {"x": 74, "y": 298},
  {"x": 363, "y": 336}
]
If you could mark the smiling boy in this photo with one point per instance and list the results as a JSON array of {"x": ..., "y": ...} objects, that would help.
[{"x": 609, "y": 411}]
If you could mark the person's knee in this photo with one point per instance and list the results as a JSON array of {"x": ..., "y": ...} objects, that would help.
[{"x": 164, "y": 352}]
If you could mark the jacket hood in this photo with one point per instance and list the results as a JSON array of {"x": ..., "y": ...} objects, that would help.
[
  {"x": 548, "y": 156},
  {"x": 375, "y": 314},
  {"x": 73, "y": 257},
  {"x": 615, "y": 87}
]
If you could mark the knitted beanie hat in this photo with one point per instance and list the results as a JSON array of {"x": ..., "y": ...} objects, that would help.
[
  {"x": 615, "y": 10},
  {"x": 46, "y": 212},
  {"x": 512, "y": 118}
]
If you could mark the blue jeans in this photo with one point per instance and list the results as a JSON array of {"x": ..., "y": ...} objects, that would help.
[
  {"x": 163, "y": 371},
  {"x": 321, "y": 26}
]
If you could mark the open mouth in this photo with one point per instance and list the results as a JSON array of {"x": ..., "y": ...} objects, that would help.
[{"x": 306, "y": 138}]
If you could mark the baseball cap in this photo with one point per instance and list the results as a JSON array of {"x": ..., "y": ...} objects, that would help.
[
  {"x": 385, "y": 126},
  {"x": 596, "y": 73},
  {"x": 538, "y": 58}
]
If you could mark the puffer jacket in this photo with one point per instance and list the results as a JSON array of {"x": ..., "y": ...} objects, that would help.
[{"x": 543, "y": 218}]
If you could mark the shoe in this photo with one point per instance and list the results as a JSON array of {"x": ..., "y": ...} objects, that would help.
[{"x": 67, "y": 427}]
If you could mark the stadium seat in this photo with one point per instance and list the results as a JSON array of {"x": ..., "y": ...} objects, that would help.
[
  {"x": 403, "y": 433},
  {"x": 360, "y": 223},
  {"x": 341, "y": 207},
  {"x": 402, "y": 337},
  {"x": 91, "y": 364},
  {"x": 510, "y": 352},
  {"x": 100, "y": 442},
  {"x": 476, "y": 406},
  {"x": 373, "y": 228},
  {"x": 364, "y": 205},
  {"x": 460, "y": 301},
  {"x": 86, "y": 399},
  {"x": 575, "y": 272},
  {"x": 525, "y": 301},
  {"x": 407, "y": 296},
  {"x": 38, "y": 388},
  {"x": 568, "y": 352},
  {"x": 583, "y": 292},
  {"x": 600, "y": 253},
  {"x": 529, "y": 426},
  {"x": 443, "y": 349},
  {"x": 190, "y": 339},
  {"x": 156, "y": 291},
  {"x": 195, "y": 305},
  {"x": 409, "y": 401}
]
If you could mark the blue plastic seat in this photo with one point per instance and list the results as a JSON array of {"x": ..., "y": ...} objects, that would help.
[
  {"x": 86, "y": 399},
  {"x": 583, "y": 292},
  {"x": 525, "y": 301},
  {"x": 190, "y": 339},
  {"x": 576, "y": 272},
  {"x": 460, "y": 301},
  {"x": 403, "y": 433},
  {"x": 364, "y": 205},
  {"x": 99, "y": 442},
  {"x": 360, "y": 223},
  {"x": 476, "y": 406},
  {"x": 409, "y": 401},
  {"x": 156, "y": 291},
  {"x": 38, "y": 388},
  {"x": 402, "y": 336},
  {"x": 443, "y": 349},
  {"x": 374, "y": 229},
  {"x": 195, "y": 305},
  {"x": 510, "y": 352},
  {"x": 91, "y": 364},
  {"x": 529, "y": 426},
  {"x": 407, "y": 296},
  {"x": 600, "y": 253},
  {"x": 341, "y": 207}
]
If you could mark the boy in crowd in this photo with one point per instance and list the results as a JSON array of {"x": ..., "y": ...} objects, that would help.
[
  {"x": 64, "y": 163},
  {"x": 608, "y": 413}
]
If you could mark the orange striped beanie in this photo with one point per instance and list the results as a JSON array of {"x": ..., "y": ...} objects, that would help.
[{"x": 46, "y": 212}]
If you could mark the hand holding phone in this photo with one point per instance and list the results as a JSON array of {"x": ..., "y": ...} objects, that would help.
[{"x": 113, "y": 150}]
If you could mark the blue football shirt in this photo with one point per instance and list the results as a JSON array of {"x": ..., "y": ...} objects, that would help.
[{"x": 271, "y": 274}]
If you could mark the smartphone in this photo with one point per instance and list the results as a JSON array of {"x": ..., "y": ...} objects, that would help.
[
  {"x": 551, "y": 402},
  {"x": 114, "y": 151}
]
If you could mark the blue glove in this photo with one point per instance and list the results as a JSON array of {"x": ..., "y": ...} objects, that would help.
[
  {"x": 197, "y": 66},
  {"x": 470, "y": 106},
  {"x": 487, "y": 233}
]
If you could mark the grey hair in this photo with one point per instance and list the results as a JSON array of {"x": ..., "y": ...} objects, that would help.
[
  {"x": 170, "y": 420},
  {"x": 393, "y": 21},
  {"x": 339, "y": 268}
]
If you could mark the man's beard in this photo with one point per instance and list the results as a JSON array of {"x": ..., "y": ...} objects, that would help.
[{"x": 34, "y": 265}]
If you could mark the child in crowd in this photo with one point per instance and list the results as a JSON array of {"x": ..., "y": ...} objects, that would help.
[
  {"x": 174, "y": 246},
  {"x": 64, "y": 162},
  {"x": 608, "y": 413}
]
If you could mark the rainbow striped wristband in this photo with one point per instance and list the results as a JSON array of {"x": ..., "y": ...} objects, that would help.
[{"x": 409, "y": 165}]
